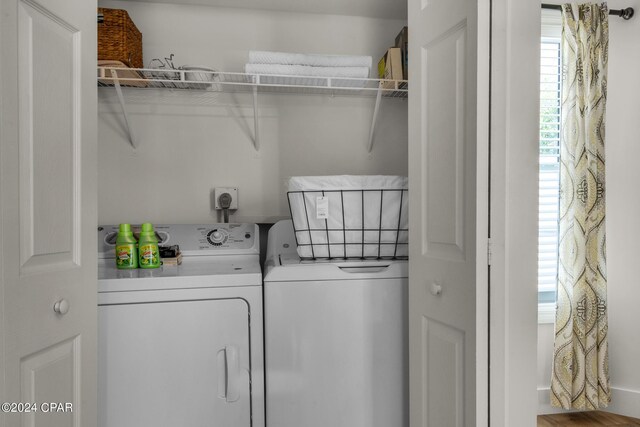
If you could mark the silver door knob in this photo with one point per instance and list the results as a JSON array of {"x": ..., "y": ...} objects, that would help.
[
  {"x": 436, "y": 289},
  {"x": 61, "y": 307}
]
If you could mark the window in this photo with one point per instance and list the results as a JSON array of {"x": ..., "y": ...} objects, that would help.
[{"x": 549, "y": 162}]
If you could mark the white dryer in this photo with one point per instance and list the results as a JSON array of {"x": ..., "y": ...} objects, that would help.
[
  {"x": 183, "y": 345},
  {"x": 336, "y": 339}
]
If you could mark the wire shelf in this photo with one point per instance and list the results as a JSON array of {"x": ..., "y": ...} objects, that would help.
[
  {"x": 203, "y": 88},
  {"x": 215, "y": 81}
]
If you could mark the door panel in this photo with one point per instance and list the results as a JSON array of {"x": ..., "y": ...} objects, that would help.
[
  {"x": 443, "y": 399},
  {"x": 48, "y": 90},
  {"x": 52, "y": 372},
  {"x": 442, "y": 175},
  {"x": 48, "y": 210},
  {"x": 443, "y": 144}
]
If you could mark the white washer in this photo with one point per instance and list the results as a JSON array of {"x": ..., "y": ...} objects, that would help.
[
  {"x": 336, "y": 339},
  {"x": 183, "y": 345}
]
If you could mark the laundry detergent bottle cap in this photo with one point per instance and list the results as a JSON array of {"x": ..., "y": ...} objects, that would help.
[
  {"x": 149, "y": 255},
  {"x": 147, "y": 231},
  {"x": 126, "y": 249}
]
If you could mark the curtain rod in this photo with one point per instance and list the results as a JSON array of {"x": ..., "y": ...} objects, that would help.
[{"x": 623, "y": 13}]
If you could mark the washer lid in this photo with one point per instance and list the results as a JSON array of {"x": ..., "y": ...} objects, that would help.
[
  {"x": 292, "y": 270},
  {"x": 194, "y": 272}
]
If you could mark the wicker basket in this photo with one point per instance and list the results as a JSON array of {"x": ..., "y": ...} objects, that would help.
[{"x": 118, "y": 38}]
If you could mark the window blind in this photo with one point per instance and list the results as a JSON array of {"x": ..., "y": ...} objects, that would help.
[{"x": 549, "y": 168}]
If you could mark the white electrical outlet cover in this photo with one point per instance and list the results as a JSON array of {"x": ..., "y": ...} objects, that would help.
[{"x": 218, "y": 191}]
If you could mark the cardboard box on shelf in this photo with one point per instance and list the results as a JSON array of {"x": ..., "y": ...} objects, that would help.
[
  {"x": 402, "y": 41},
  {"x": 390, "y": 67}
]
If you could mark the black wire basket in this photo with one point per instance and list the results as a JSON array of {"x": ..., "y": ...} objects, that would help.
[{"x": 350, "y": 224}]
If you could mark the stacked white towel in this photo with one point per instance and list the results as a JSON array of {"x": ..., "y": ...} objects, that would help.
[{"x": 302, "y": 64}]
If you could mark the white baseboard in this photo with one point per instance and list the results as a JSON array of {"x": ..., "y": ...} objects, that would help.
[
  {"x": 544, "y": 403},
  {"x": 623, "y": 402}
]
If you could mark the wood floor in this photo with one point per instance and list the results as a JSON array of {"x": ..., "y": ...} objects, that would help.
[{"x": 595, "y": 418}]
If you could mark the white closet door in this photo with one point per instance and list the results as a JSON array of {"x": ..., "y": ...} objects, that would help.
[
  {"x": 442, "y": 176},
  {"x": 48, "y": 209}
]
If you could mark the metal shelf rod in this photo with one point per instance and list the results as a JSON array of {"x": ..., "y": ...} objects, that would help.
[
  {"x": 626, "y": 13},
  {"x": 256, "y": 131},
  {"x": 132, "y": 138},
  {"x": 374, "y": 119}
]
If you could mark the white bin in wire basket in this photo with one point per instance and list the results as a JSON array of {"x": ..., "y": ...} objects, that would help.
[{"x": 350, "y": 216}]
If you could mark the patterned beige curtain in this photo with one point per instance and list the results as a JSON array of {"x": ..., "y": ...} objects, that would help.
[{"x": 580, "y": 375}]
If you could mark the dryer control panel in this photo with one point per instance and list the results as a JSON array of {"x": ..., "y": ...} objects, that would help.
[{"x": 193, "y": 239}]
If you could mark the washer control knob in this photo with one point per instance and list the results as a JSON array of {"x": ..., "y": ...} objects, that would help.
[
  {"x": 217, "y": 237},
  {"x": 61, "y": 307}
]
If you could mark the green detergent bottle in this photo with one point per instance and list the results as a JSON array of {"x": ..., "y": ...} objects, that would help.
[
  {"x": 148, "y": 247},
  {"x": 126, "y": 250}
]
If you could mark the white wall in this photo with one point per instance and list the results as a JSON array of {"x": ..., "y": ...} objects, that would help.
[
  {"x": 185, "y": 149},
  {"x": 623, "y": 225}
]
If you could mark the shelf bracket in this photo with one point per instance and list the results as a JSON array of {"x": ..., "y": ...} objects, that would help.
[
  {"x": 374, "y": 120},
  {"x": 256, "y": 133},
  {"x": 116, "y": 82}
]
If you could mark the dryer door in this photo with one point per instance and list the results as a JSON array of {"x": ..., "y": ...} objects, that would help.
[{"x": 174, "y": 363}]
